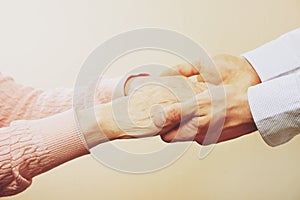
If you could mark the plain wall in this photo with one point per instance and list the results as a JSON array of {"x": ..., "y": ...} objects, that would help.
[{"x": 44, "y": 43}]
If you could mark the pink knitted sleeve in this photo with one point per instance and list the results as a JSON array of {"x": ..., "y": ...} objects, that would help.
[
  {"x": 37, "y": 143},
  {"x": 31, "y": 147},
  {"x": 23, "y": 102}
]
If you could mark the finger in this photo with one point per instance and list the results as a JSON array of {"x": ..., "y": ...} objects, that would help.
[
  {"x": 200, "y": 77},
  {"x": 185, "y": 132},
  {"x": 133, "y": 81},
  {"x": 182, "y": 69},
  {"x": 209, "y": 74},
  {"x": 199, "y": 87},
  {"x": 170, "y": 136},
  {"x": 173, "y": 114},
  {"x": 206, "y": 72}
]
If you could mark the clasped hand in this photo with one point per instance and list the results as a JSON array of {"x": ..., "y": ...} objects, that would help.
[{"x": 157, "y": 105}]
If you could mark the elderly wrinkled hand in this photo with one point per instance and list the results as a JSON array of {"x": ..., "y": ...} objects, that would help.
[{"x": 131, "y": 116}]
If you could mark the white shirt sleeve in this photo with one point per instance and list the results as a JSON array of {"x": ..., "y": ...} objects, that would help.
[
  {"x": 275, "y": 107},
  {"x": 275, "y": 104},
  {"x": 278, "y": 57}
]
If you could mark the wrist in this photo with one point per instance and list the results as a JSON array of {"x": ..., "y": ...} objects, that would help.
[
  {"x": 248, "y": 118},
  {"x": 98, "y": 125},
  {"x": 255, "y": 79},
  {"x": 108, "y": 121}
]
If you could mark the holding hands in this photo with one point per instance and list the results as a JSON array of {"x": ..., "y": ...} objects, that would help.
[
  {"x": 237, "y": 76},
  {"x": 207, "y": 104},
  {"x": 152, "y": 105},
  {"x": 132, "y": 116}
]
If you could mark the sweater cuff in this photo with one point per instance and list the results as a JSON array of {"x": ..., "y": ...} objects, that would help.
[{"x": 60, "y": 137}]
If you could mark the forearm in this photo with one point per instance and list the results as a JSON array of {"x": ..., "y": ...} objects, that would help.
[
  {"x": 31, "y": 147},
  {"x": 21, "y": 102}
]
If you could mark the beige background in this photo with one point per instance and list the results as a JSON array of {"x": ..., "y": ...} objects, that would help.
[{"x": 43, "y": 44}]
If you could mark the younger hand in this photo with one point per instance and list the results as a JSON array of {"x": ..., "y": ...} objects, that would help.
[
  {"x": 237, "y": 75},
  {"x": 238, "y": 118},
  {"x": 233, "y": 70}
]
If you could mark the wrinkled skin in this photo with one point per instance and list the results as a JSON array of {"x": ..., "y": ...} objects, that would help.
[{"x": 131, "y": 116}]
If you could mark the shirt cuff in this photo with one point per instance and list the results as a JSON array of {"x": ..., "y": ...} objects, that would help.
[
  {"x": 277, "y": 57},
  {"x": 275, "y": 107}
]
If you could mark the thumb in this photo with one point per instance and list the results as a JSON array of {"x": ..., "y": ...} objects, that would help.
[
  {"x": 182, "y": 69},
  {"x": 207, "y": 71},
  {"x": 172, "y": 114}
]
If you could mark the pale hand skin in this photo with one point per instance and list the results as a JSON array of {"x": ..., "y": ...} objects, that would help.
[
  {"x": 131, "y": 116},
  {"x": 237, "y": 76}
]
